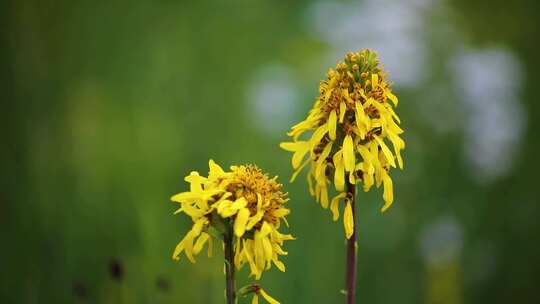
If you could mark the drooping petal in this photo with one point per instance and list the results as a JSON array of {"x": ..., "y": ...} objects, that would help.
[
  {"x": 279, "y": 264},
  {"x": 392, "y": 97},
  {"x": 258, "y": 216},
  {"x": 240, "y": 222},
  {"x": 348, "y": 220},
  {"x": 332, "y": 122},
  {"x": 191, "y": 210},
  {"x": 297, "y": 171},
  {"x": 387, "y": 153},
  {"x": 334, "y": 206},
  {"x": 339, "y": 174},
  {"x": 300, "y": 148},
  {"x": 348, "y": 154},
  {"x": 398, "y": 144},
  {"x": 324, "y": 197},
  {"x": 317, "y": 136},
  {"x": 203, "y": 238},
  {"x": 362, "y": 121},
  {"x": 342, "y": 111},
  {"x": 178, "y": 250},
  {"x": 267, "y": 297},
  {"x": 388, "y": 193}
]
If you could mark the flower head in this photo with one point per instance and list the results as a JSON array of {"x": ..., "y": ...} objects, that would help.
[
  {"x": 244, "y": 202},
  {"x": 350, "y": 125}
]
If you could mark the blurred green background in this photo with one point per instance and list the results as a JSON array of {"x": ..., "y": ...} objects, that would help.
[{"x": 106, "y": 106}]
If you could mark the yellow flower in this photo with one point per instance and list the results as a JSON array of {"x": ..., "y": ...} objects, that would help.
[
  {"x": 244, "y": 199},
  {"x": 350, "y": 126}
]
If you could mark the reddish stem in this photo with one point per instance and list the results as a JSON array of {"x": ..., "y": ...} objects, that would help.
[{"x": 352, "y": 257}]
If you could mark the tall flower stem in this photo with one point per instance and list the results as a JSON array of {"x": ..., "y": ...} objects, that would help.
[
  {"x": 352, "y": 256},
  {"x": 230, "y": 288}
]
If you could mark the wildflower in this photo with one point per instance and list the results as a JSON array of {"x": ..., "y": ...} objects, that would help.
[
  {"x": 243, "y": 200},
  {"x": 350, "y": 125}
]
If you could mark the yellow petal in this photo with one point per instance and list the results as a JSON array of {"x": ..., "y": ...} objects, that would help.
[
  {"x": 179, "y": 248},
  {"x": 240, "y": 222},
  {"x": 195, "y": 181},
  {"x": 266, "y": 229},
  {"x": 342, "y": 110},
  {"x": 362, "y": 121},
  {"x": 310, "y": 183},
  {"x": 186, "y": 197},
  {"x": 215, "y": 169},
  {"x": 388, "y": 193},
  {"x": 203, "y": 238},
  {"x": 386, "y": 152},
  {"x": 267, "y": 247},
  {"x": 320, "y": 165},
  {"x": 324, "y": 197},
  {"x": 339, "y": 174},
  {"x": 368, "y": 181},
  {"x": 392, "y": 113},
  {"x": 317, "y": 136},
  {"x": 327, "y": 94},
  {"x": 348, "y": 220},
  {"x": 300, "y": 148},
  {"x": 267, "y": 297},
  {"x": 278, "y": 249},
  {"x": 394, "y": 127},
  {"x": 324, "y": 154},
  {"x": 352, "y": 178},
  {"x": 192, "y": 211},
  {"x": 297, "y": 171},
  {"x": 255, "y": 299},
  {"x": 398, "y": 144},
  {"x": 392, "y": 97},
  {"x": 228, "y": 208},
  {"x": 281, "y": 212},
  {"x": 334, "y": 206},
  {"x": 258, "y": 216},
  {"x": 291, "y": 146},
  {"x": 248, "y": 253},
  {"x": 348, "y": 154},
  {"x": 279, "y": 265},
  {"x": 238, "y": 256},
  {"x": 239, "y": 203},
  {"x": 332, "y": 121},
  {"x": 374, "y": 80},
  {"x": 188, "y": 247},
  {"x": 364, "y": 152}
]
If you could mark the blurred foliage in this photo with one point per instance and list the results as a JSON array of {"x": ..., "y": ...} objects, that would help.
[{"x": 107, "y": 106}]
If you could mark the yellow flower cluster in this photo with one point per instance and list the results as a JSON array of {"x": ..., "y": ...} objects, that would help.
[
  {"x": 244, "y": 199},
  {"x": 350, "y": 123}
]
